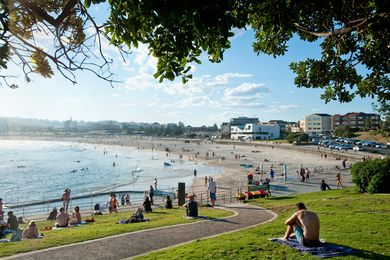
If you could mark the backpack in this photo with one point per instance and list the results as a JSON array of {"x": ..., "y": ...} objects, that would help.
[{"x": 17, "y": 236}]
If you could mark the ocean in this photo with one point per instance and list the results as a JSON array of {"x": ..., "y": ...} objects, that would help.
[{"x": 32, "y": 171}]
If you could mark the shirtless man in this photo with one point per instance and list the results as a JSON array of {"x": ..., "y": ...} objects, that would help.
[{"x": 306, "y": 225}]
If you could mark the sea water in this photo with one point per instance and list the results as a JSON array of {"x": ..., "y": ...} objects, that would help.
[{"x": 40, "y": 170}]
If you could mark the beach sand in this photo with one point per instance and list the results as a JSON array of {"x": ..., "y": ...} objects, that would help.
[{"x": 230, "y": 155}]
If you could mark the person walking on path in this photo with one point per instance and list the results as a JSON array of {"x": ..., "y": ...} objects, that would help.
[
  {"x": 151, "y": 194},
  {"x": 155, "y": 183},
  {"x": 66, "y": 199},
  {"x": 195, "y": 172},
  {"x": 213, "y": 191},
  {"x": 338, "y": 180}
]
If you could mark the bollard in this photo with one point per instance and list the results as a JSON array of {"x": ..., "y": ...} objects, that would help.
[{"x": 181, "y": 193}]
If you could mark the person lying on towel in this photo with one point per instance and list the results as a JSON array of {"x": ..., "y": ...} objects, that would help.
[{"x": 306, "y": 226}]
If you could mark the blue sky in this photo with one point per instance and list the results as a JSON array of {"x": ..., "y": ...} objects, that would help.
[{"x": 243, "y": 84}]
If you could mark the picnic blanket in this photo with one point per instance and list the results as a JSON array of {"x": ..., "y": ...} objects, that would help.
[{"x": 325, "y": 250}]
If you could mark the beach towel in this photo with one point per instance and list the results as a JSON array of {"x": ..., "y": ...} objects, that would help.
[{"x": 325, "y": 250}]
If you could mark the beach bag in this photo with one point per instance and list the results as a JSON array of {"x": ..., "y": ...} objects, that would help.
[{"x": 17, "y": 235}]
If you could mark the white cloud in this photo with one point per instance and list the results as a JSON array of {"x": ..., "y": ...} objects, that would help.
[
  {"x": 283, "y": 108},
  {"x": 246, "y": 91},
  {"x": 223, "y": 79}
]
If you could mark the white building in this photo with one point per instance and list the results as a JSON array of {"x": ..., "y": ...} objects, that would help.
[
  {"x": 316, "y": 124},
  {"x": 255, "y": 132}
]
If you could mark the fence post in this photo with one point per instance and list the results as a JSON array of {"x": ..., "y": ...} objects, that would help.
[
  {"x": 201, "y": 199},
  {"x": 224, "y": 198}
]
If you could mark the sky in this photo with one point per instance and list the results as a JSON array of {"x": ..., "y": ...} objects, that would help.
[{"x": 243, "y": 84}]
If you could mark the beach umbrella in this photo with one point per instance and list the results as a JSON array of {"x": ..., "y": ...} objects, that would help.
[{"x": 285, "y": 171}]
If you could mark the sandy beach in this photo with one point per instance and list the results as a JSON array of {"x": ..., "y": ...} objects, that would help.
[{"x": 230, "y": 155}]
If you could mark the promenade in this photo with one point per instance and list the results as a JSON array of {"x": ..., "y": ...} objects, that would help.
[{"x": 142, "y": 242}]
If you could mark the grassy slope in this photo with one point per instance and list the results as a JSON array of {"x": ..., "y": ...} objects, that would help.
[
  {"x": 373, "y": 137},
  {"x": 359, "y": 221},
  {"x": 105, "y": 225}
]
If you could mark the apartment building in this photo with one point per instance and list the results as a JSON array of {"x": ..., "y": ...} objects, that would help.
[
  {"x": 317, "y": 124},
  {"x": 357, "y": 120}
]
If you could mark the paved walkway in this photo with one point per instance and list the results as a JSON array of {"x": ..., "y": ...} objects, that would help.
[{"x": 141, "y": 242}]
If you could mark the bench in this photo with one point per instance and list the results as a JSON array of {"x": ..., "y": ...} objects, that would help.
[{"x": 256, "y": 188}]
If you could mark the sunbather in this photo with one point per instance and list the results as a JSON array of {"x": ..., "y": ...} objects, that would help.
[
  {"x": 306, "y": 225},
  {"x": 62, "y": 218}
]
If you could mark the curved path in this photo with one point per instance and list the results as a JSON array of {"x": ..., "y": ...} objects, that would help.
[{"x": 145, "y": 241}]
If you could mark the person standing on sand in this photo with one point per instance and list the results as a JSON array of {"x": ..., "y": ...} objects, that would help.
[
  {"x": 306, "y": 225},
  {"x": 195, "y": 172},
  {"x": 1, "y": 209},
  {"x": 213, "y": 191},
  {"x": 205, "y": 181},
  {"x": 272, "y": 174},
  {"x": 66, "y": 199}
]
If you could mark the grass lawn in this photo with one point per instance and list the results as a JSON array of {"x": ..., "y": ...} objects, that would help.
[
  {"x": 359, "y": 221},
  {"x": 105, "y": 225}
]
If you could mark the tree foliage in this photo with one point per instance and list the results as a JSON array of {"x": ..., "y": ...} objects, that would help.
[
  {"x": 353, "y": 35},
  {"x": 372, "y": 176},
  {"x": 297, "y": 138},
  {"x": 39, "y": 35},
  {"x": 343, "y": 131}
]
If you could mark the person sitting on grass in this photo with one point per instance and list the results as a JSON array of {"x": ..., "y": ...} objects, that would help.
[
  {"x": 324, "y": 186},
  {"x": 12, "y": 221},
  {"x": 31, "y": 231},
  {"x": 53, "y": 214},
  {"x": 191, "y": 206},
  {"x": 306, "y": 225},
  {"x": 137, "y": 216},
  {"x": 62, "y": 218},
  {"x": 76, "y": 216},
  {"x": 147, "y": 205},
  {"x": 168, "y": 202}
]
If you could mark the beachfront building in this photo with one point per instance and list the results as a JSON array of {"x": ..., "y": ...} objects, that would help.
[
  {"x": 225, "y": 130},
  {"x": 285, "y": 126},
  {"x": 70, "y": 125},
  {"x": 357, "y": 120},
  {"x": 318, "y": 124},
  {"x": 251, "y": 132}
]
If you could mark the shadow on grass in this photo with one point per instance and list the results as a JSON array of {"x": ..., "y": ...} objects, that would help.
[
  {"x": 370, "y": 255},
  {"x": 283, "y": 198}
]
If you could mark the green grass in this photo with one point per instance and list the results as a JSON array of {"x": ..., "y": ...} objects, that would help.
[
  {"x": 359, "y": 221},
  {"x": 105, "y": 225}
]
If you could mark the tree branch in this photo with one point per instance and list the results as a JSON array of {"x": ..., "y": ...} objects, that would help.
[{"x": 351, "y": 26}]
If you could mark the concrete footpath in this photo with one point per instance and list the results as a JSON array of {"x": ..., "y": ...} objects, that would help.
[{"x": 141, "y": 242}]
